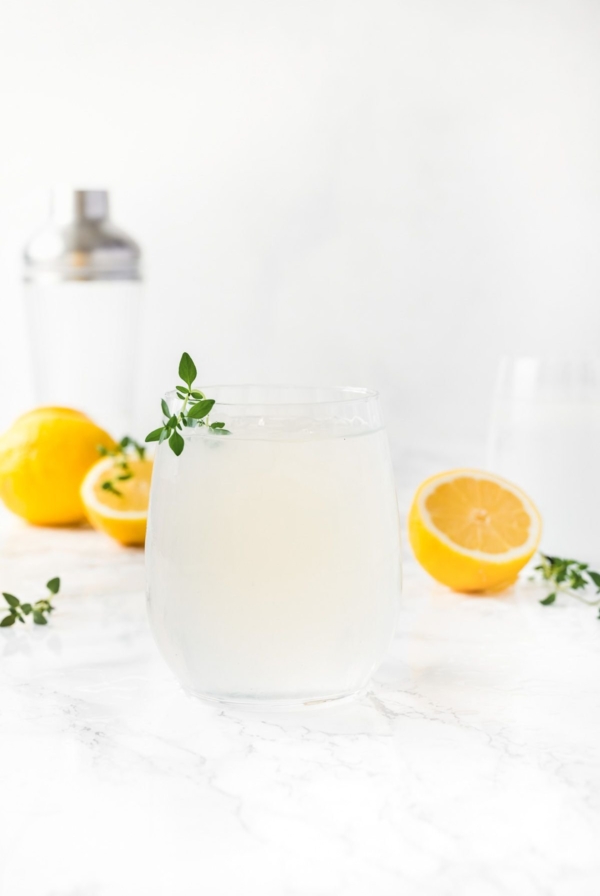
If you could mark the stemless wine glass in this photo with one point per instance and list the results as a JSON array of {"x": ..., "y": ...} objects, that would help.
[
  {"x": 273, "y": 553},
  {"x": 545, "y": 436}
]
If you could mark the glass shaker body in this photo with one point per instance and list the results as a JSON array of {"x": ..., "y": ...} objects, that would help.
[{"x": 84, "y": 341}]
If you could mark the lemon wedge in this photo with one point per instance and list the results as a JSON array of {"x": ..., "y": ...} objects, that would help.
[
  {"x": 121, "y": 509},
  {"x": 472, "y": 530}
]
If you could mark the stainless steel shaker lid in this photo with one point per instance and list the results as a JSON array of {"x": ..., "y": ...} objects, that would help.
[{"x": 79, "y": 242}]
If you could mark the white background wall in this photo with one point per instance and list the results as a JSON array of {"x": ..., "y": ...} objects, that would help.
[{"x": 386, "y": 192}]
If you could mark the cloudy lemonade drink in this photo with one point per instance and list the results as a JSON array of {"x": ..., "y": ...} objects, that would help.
[{"x": 273, "y": 551}]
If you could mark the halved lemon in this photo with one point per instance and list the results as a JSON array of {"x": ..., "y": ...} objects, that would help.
[
  {"x": 121, "y": 508},
  {"x": 473, "y": 531}
]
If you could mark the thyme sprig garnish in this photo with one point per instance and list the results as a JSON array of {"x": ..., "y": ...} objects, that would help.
[
  {"x": 194, "y": 411},
  {"x": 38, "y": 611},
  {"x": 126, "y": 447},
  {"x": 569, "y": 577}
]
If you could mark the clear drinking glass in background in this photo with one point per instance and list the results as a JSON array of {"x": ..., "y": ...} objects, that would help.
[
  {"x": 545, "y": 436},
  {"x": 82, "y": 287},
  {"x": 273, "y": 553}
]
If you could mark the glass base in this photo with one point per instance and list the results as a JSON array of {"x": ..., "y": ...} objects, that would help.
[{"x": 273, "y": 704}]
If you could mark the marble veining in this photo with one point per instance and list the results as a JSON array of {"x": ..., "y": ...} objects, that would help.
[{"x": 471, "y": 766}]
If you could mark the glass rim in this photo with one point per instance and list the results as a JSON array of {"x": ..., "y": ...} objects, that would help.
[{"x": 343, "y": 394}]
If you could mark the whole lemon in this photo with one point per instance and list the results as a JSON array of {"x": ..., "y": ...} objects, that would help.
[{"x": 44, "y": 457}]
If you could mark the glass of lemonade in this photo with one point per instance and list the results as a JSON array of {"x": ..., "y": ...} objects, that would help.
[{"x": 273, "y": 552}]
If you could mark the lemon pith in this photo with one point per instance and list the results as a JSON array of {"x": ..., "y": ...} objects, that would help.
[
  {"x": 122, "y": 516},
  {"x": 473, "y": 531}
]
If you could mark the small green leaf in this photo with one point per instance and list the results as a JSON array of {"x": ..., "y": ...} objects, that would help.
[
  {"x": 176, "y": 443},
  {"x": 183, "y": 389},
  {"x": 204, "y": 407},
  {"x": 39, "y": 618},
  {"x": 595, "y": 577},
  {"x": 126, "y": 441},
  {"x": 53, "y": 585},
  {"x": 154, "y": 436},
  {"x": 187, "y": 369},
  {"x": 163, "y": 435},
  {"x": 109, "y": 487},
  {"x": 576, "y": 581},
  {"x": 561, "y": 573},
  {"x": 8, "y": 620},
  {"x": 217, "y": 426},
  {"x": 222, "y": 432},
  {"x": 197, "y": 394},
  {"x": 102, "y": 451},
  {"x": 165, "y": 408},
  {"x": 10, "y": 599},
  {"x": 26, "y": 608},
  {"x": 548, "y": 600},
  {"x": 125, "y": 476}
]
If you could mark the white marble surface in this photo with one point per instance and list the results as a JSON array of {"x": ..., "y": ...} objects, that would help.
[{"x": 471, "y": 768}]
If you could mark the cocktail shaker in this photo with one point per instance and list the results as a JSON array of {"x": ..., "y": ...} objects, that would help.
[{"x": 82, "y": 286}]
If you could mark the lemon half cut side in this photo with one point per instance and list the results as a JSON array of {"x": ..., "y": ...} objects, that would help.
[
  {"x": 472, "y": 530},
  {"x": 123, "y": 516}
]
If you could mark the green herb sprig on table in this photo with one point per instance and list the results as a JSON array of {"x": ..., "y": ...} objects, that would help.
[
  {"x": 567, "y": 577},
  {"x": 121, "y": 453},
  {"x": 194, "y": 411},
  {"x": 39, "y": 611}
]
